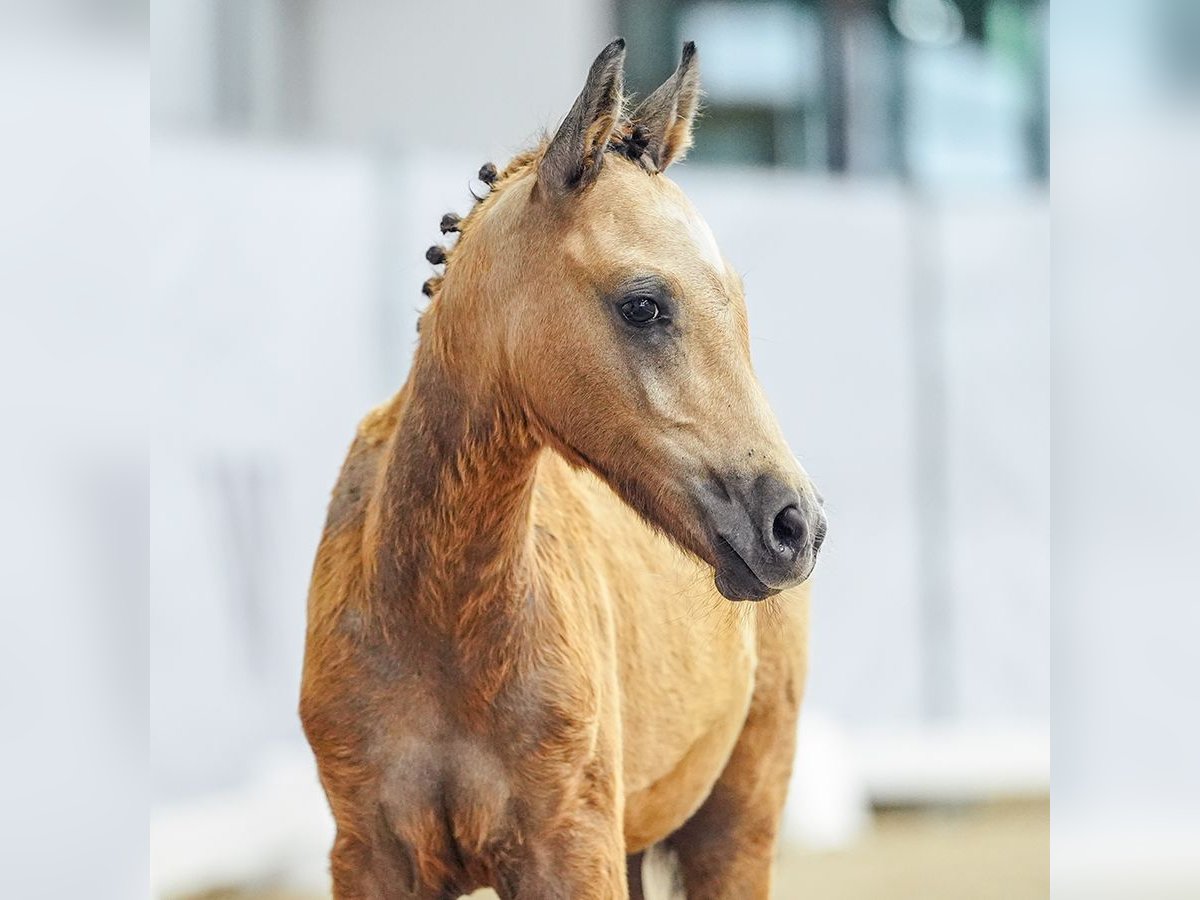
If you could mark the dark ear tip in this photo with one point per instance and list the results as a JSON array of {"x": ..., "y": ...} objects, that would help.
[
  {"x": 689, "y": 50},
  {"x": 611, "y": 54}
]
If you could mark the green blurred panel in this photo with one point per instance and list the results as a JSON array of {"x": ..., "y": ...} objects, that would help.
[
  {"x": 736, "y": 135},
  {"x": 811, "y": 84}
]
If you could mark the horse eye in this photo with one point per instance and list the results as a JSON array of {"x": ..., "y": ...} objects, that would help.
[{"x": 639, "y": 310}]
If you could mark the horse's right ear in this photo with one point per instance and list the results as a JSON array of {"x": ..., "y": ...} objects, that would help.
[
  {"x": 574, "y": 156},
  {"x": 665, "y": 118}
]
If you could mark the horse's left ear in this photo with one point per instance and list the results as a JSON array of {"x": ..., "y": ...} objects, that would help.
[
  {"x": 665, "y": 117},
  {"x": 574, "y": 156}
]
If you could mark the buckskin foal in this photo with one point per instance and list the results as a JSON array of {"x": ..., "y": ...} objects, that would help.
[{"x": 517, "y": 672}]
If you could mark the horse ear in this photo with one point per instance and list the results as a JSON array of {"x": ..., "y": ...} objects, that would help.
[
  {"x": 574, "y": 156},
  {"x": 665, "y": 117}
]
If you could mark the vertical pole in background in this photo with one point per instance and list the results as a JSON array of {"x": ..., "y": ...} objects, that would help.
[
  {"x": 936, "y": 652},
  {"x": 295, "y": 65},
  {"x": 936, "y": 613},
  {"x": 240, "y": 489},
  {"x": 263, "y": 69},
  {"x": 232, "y": 48},
  {"x": 834, "y": 53}
]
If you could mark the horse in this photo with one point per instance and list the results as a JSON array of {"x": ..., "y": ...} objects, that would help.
[{"x": 523, "y": 669}]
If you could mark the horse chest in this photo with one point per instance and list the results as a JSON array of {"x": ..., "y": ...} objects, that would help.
[{"x": 462, "y": 793}]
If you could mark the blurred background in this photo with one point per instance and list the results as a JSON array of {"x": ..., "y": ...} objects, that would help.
[{"x": 878, "y": 171}]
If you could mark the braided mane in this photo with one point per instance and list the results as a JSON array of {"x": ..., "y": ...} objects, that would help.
[{"x": 628, "y": 140}]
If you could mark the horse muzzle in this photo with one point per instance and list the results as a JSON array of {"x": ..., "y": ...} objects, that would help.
[{"x": 764, "y": 535}]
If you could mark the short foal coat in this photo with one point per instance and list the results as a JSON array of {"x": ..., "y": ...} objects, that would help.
[{"x": 512, "y": 677}]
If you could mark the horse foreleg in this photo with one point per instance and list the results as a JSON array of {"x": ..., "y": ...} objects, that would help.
[
  {"x": 633, "y": 874},
  {"x": 360, "y": 873},
  {"x": 726, "y": 849},
  {"x": 577, "y": 863}
]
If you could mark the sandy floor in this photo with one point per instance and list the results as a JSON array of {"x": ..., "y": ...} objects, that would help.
[
  {"x": 995, "y": 852},
  {"x": 1000, "y": 852}
]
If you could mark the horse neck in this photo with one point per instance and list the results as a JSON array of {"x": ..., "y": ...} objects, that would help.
[{"x": 450, "y": 529}]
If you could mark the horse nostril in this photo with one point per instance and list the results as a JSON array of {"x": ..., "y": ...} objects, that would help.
[{"x": 789, "y": 528}]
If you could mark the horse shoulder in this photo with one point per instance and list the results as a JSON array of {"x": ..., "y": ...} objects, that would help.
[{"x": 332, "y": 662}]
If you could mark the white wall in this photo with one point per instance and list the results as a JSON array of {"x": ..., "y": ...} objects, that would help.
[
  {"x": 265, "y": 280},
  {"x": 994, "y": 278},
  {"x": 461, "y": 69}
]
